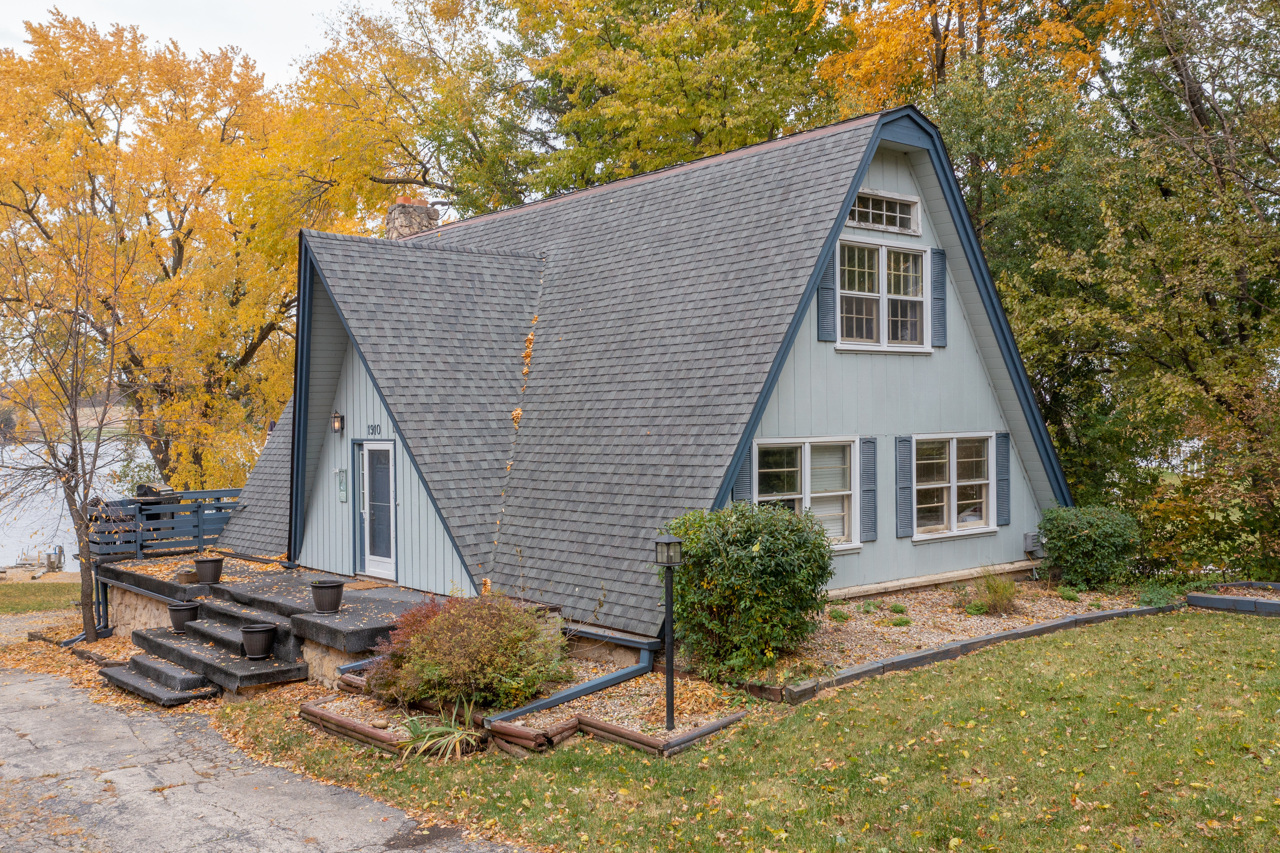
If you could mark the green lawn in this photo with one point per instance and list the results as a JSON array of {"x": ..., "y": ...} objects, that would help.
[
  {"x": 25, "y": 597},
  {"x": 1144, "y": 734}
]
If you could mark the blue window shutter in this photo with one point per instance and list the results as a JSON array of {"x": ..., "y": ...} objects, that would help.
[
  {"x": 905, "y": 527},
  {"x": 827, "y": 301},
  {"x": 867, "y": 498},
  {"x": 938, "y": 303},
  {"x": 742, "y": 483},
  {"x": 1002, "y": 478}
]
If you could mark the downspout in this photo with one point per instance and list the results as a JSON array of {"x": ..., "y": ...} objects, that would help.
[{"x": 595, "y": 685}]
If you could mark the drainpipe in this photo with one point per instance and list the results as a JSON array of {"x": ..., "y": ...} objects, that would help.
[{"x": 644, "y": 667}]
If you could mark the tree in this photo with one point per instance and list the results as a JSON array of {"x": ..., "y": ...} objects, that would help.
[{"x": 155, "y": 142}]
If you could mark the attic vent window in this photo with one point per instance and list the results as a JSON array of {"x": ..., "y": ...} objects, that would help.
[{"x": 892, "y": 214}]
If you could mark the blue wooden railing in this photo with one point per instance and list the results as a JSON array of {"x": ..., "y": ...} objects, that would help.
[{"x": 139, "y": 527}]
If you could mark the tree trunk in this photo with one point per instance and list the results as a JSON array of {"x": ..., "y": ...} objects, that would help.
[{"x": 80, "y": 519}]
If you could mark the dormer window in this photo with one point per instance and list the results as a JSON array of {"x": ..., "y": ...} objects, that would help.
[{"x": 885, "y": 212}]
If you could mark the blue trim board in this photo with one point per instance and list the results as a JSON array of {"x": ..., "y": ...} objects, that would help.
[
  {"x": 319, "y": 274},
  {"x": 907, "y": 125},
  {"x": 301, "y": 410}
]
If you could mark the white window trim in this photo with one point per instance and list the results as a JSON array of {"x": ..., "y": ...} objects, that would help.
[
  {"x": 855, "y": 531},
  {"x": 926, "y": 287},
  {"x": 915, "y": 231},
  {"x": 991, "y": 527}
]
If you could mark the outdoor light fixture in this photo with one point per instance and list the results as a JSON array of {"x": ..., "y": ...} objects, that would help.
[
  {"x": 667, "y": 553},
  {"x": 338, "y": 422}
]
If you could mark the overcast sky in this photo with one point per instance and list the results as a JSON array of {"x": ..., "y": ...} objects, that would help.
[{"x": 274, "y": 33}]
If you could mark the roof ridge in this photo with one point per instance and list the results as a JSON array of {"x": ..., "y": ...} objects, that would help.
[
  {"x": 432, "y": 247},
  {"x": 644, "y": 177}
]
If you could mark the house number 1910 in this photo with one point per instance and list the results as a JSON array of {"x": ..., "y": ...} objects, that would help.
[{"x": 375, "y": 429}]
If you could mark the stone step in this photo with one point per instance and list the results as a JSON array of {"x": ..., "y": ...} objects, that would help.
[
  {"x": 127, "y": 678},
  {"x": 227, "y": 670},
  {"x": 167, "y": 674}
]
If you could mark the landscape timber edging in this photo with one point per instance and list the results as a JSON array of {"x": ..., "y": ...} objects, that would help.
[
  {"x": 527, "y": 739},
  {"x": 346, "y": 727},
  {"x": 795, "y": 694},
  {"x": 1237, "y": 603}
]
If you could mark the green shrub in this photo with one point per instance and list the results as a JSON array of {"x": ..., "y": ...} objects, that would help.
[
  {"x": 488, "y": 650},
  {"x": 869, "y": 607},
  {"x": 898, "y": 608},
  {"x": 976, "y": 608},
  {"x": 839, "y": 615},
  {"x": 1068, "y": 594},
  {"x": 998, "y": 593},
  {"x": 1088, "y": 546},
  {"x": 899, "y": 622},
  {"x": 752, "y": 586}
]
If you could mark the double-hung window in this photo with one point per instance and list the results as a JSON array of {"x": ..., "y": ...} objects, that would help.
[
  {"x": 814, "y": 475},
  {"x": 952, "y": 484},
  {"x": 881, "y": 296}
]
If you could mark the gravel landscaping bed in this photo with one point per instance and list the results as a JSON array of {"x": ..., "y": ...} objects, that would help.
[
  {"x": 640, "y": 705},
  {"x": 370, "y": 712},
  {"x": 937, "y": 617}
]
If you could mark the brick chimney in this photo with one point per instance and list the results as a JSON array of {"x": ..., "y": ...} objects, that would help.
[{"x": 409, "y": 216}]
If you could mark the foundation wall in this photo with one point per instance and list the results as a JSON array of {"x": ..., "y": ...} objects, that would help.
[
  {"x": 130, "y": 611},
  {"x": 323, "y": 662},
  {"x": 600, "y": 651}
]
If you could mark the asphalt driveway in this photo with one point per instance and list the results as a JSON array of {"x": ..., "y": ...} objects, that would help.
[{"x": 80, "y": 776}]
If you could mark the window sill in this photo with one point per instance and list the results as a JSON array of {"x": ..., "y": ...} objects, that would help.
[
  {"x": 904, "y": 350},
  {"x": 883, "y": 229},
  {"x": 922, "y": 538},
  {"x": 851, "y": 548}
]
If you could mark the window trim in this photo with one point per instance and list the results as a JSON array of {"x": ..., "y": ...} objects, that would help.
[
  {"x": 914, "y": 201},
  {"x": 925, "y": 346},
  {"x": 953, "y": 486},
  {"x": 806, "y": 491}
]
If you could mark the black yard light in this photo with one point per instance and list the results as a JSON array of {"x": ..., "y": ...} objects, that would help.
[
  {"x": 669, "y": 556},
  {"x": 338, "y": 422}
]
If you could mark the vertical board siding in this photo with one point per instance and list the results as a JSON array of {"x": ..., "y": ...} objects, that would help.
[
  {"x": 822, "y": 392},
  {"x": 425, "y": 557},
  {"x": 328, "y": 347}
]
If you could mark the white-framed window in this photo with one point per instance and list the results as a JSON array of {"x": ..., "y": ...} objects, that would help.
[
  {"x": 882, "y": 297},
  {"x": 953, "y": 484},
  {"x": 816, "y": 474},
  {"x": 886, "y": 211}
]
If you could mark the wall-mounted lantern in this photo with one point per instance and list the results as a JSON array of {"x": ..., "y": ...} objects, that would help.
[{"x": 338, "y": 422}]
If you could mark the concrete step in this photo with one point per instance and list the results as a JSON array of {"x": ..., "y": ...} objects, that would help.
[
  {"x": 227, "y": 670},
  {"x": 223, "y": 636},
  {"x": 127, "y": 678},
  {"x": 234, "y": 614},
  {"x": 167, "y": 674},
  {"x": 285, "y": 597}
]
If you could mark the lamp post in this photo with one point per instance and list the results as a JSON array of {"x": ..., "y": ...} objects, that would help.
[{"x": 668, "y": 556}]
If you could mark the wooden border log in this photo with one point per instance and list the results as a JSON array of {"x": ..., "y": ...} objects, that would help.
[
  {"x": 312, "y": 712},
  {"x": 618, "y": 734},
  {"x": 511, "y": 749},
  {"x": 562, "y": 731},
  {"x": 682, "y": 742}
]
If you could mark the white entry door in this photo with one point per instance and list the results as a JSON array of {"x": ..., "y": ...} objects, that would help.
[{"x": 379, "y": 510}]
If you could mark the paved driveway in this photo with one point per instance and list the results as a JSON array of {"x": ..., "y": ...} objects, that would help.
[{"x": 79, "y": 776}]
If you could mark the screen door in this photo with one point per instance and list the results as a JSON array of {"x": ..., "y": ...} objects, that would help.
[{"x": 379, "y": 510}]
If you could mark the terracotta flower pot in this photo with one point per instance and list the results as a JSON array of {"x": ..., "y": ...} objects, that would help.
[
  {"x": 257, "y": 640},
  {"x": 209, "y": 569},
  {"x": 327, "y": 595},
  {"x": 181, "y": 613}
]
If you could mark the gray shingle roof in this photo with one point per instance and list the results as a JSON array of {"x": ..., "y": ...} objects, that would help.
[
  {"x": 442, "y": 331},
  {"x": 259, "y": 525},
  {"x": 666, "y": 298}
]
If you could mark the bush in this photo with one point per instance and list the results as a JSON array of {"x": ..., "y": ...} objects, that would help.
[
  {"x": 488, "y": 650},
  {"x": 976, "y": 608},
  {"x": 998, "y": 593},
  {"x": 899, "y": 622},
  {"x": 898, "y": 608},
  {"x": 838, "y": 615},
  {"x": 752, "y": 586},
  {"x": 1090, "y": 546},
  {"x": 1068, "y": 594}
]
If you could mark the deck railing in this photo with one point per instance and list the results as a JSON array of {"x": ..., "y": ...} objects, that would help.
[{"x": 140, "y": 527}]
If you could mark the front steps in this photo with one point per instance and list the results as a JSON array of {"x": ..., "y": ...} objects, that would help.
[{"x": 209, "y": 658}]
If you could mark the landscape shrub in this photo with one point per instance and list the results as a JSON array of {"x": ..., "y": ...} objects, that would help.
[
  {"x": 1068, "y": 594},
  {"x": 1087, "y": 547},
  {"x": 489, "y": 650},
  {"x": 998, "y": 592},
  {"x": 899, "y": 622},
  {"x": 897, "y": 608},
  {"x": 839, "y": 615},
  {"x": 752, "y": 585}
]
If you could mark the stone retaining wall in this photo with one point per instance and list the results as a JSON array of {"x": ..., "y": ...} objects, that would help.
[{"x": 130, "y": 611}]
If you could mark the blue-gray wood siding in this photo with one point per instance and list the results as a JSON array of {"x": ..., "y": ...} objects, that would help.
[
  {"x": 425, "y": 557},
  {"x": 822, "y": 392}
]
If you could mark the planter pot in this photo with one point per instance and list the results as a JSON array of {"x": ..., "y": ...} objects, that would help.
[
  {"x": 209, "y": 569},
  {"x": 188, "y": 577},
  {"x": 257, "y": 640},
  {"x": 327, "y": 595},
  {"x": 182, "y": 613}
]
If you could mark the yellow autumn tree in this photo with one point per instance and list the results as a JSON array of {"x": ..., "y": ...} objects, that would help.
[{"x": 165, "y": 147}]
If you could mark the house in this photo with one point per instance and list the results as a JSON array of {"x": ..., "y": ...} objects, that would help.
[{"x": 528, "y": 395}]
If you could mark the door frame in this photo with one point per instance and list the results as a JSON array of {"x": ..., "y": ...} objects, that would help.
[{"x": 365, "y": 560}]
